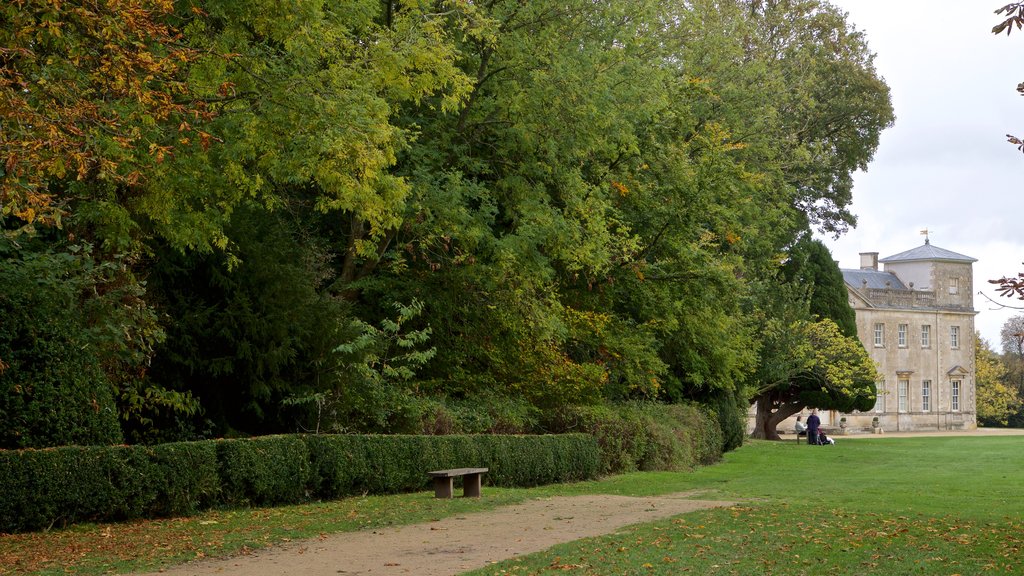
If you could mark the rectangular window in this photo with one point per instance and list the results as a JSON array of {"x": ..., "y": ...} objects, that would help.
[
  {"x": 880, "y": 398},
  {"x": 926, "y": 336},
  {"x": 879, "y": 335},
  {"x": 903, "y": 386},
  {"x": 926, "y": 395},
  {"x": 902, "y": 336},
  {"x": 955, "y": 396},
  {"x": 954, "y": 337},
  {"x": 954, "y": 285}
]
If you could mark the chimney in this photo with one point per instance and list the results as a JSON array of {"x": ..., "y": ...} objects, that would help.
[{"x": 869, "y": 260}]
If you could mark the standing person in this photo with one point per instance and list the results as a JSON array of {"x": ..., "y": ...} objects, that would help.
[{"x": 813, "y": 423}]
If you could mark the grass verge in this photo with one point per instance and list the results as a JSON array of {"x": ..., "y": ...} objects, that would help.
[
  {"x": 903, "y": 506},
  {"x": 886, "y": 506}
]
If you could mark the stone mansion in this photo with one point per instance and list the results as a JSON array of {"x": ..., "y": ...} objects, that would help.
[{"x": 916, "y": 320}]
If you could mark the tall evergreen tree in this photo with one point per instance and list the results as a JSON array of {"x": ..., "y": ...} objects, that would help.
[
  {"x": 810, "y": 264},
  {"x": 243, "y": 338},
  {"x": 811, "y": 308}
]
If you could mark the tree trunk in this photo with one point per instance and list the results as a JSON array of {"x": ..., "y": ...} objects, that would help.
[
  {"x": 766, "y": 420},
  {"x": 764, "y": 423},
  {"x": 355, "y": 268}
]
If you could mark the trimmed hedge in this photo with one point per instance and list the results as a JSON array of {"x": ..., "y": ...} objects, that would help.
[
  {"x": 263, "y": 471},
  {"x": 60, "y": 486},
  {"x": 57, "y": 486},
  {"x": 345, "y": 465},
  {"x": 188, "y": 478}
]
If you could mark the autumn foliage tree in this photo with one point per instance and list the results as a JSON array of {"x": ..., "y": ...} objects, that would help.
[
  {"x": 91, "y": 93},
  {"x": 584, "y": 196},
  {"x": 93, "y": 97},
  {"x": 997, "y": 399}
]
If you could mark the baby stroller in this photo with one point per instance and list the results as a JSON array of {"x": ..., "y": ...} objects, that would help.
[{"x": 820, "y": 440}]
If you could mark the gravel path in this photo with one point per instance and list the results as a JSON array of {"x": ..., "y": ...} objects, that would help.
[{"x": 453, "y": 545}]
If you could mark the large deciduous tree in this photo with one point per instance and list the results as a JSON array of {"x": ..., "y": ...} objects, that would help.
[
  {"x": 997, "y": 401},
  {"x": 636, "y": 178},
  {"x": 583, "y": 195},
  {"x": 93, "y": 95},
  {"x": 824, "y": 369},
  {"x": 1011, "y": 337},
  {"x": 309, "y": 125},
  {"x": 592, "y": 246},
  {"x": 801, "y": 94}
]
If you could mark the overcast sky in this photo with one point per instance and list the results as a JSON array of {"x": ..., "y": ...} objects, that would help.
[{"x": 945, "y": 165}]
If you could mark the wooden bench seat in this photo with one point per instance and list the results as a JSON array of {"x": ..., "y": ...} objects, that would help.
[
  {"x": 470, "y": 481},
  {"x": 797, "y": 435}
]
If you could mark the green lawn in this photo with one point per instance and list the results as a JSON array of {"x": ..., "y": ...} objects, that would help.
[{"x": 867, "y": 506}]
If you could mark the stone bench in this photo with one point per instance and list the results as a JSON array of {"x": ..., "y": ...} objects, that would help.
[{"x": 470, "y": 481}]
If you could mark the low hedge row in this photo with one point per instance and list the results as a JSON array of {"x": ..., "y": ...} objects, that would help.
[{"x": 60, "y": 486}]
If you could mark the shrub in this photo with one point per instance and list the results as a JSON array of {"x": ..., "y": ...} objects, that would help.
[
  {"x": 697, "y": 427},
  {"x": 510, "y": 466},
  {"x": 336, "y": 463},
  {"x": 485, "y": 414},
  {"x": 52, "y": 389},
  {"x": 730, "y": 410},
  {"x": 75, "y": 336},
  {"x": 616, "y": 436},
  {"x": 63, "y": 400},
  {"x": 395, "y": 463},
  {"x": 539, "y": 460},
  {"x": 645, "y": 435}
]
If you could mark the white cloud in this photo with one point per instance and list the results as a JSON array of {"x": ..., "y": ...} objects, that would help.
[{"x": 945, "y": 164}]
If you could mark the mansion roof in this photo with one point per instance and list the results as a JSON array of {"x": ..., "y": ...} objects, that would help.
[
  {"x": 927, "y": 252},
  {"x": 872, "y": 279},
  {"x": 884, "y": 289}
]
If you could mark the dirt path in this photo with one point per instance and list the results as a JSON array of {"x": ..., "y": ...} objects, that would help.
[{"x": 453, "y": 545}]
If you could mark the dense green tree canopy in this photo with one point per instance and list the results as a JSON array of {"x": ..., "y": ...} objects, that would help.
[{"x": 581, "y": 202}]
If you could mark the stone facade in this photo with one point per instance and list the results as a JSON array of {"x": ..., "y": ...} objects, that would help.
[{"x": 916, "y": 320}]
